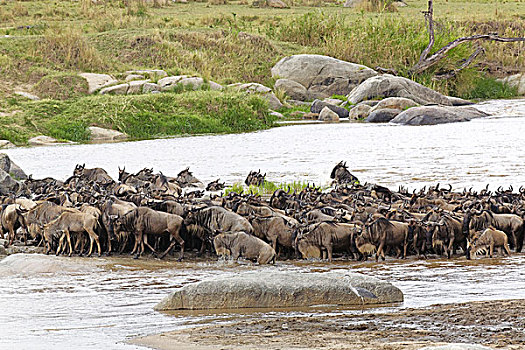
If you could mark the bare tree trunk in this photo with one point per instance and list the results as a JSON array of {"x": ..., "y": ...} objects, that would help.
[{"x": 426, "y": 61}]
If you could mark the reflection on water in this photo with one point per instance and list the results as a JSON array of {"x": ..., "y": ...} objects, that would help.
[
  {"x": 463, "y": 154},
  {"x": 102, "y": 309}
]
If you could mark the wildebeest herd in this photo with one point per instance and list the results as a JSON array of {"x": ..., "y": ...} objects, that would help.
[{"x": 148, "y": 212}]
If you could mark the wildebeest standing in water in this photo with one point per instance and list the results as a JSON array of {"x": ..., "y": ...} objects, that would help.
[
  {"x": 240, "y": 244},
  {"x": 255, "y": 178},
  {"x": 145, "y": 221}
]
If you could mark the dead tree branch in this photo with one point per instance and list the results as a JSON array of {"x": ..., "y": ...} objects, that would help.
[{"x": 426, "y": 61}]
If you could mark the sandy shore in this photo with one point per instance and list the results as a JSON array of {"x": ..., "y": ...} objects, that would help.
[{"x": 498, "y": 324}]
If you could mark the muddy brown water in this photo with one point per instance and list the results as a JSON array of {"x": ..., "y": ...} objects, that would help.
[{"x": 113, "y": 302}]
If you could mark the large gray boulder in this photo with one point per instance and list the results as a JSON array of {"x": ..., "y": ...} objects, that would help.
[
  {"x": 10, "y": 167},
  {"x": 361, "y": 111},
  {"x": 322, "y": 76},
  {"x": 387, "y": 85},
  {"x": 318, "y": 106},
  {"x": 432, "y": 115},
  {"x": 383, "y": 115},
  {"x": 400, "y": 103},
  {"x": 278, "y": 289},
  {"x": 8, "y": 184}
]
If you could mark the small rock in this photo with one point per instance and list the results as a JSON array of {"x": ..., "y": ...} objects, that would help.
[
  {"x": 120, "y": 89},
  {"x": 152, "y": 73},
  {"x": 276, "y": 114},
  {"x": 43, "y": 140},
  {"x": 318, "y": 106},
  {"x": 8, "y": 185},
  {"x": 353, "y": 3},
  {"x": 298, "y": 103},
  {"x": 327, "y": 115},
  {"x": 361, "y": 111},
  {"x": 5, "y": 162},
  {"x": 400, "y": 103},
  {"x": 278, "y": 4},
  {"x": 97, "y": 81},
  {"x": 27, "y": 95},
  {"x": 383, "y": 115},
  {"x": 6, "y": 144},
  {"x": 266, "y": 92},
  {"x": 150, "y": 87},
  {"x": 334, "y": 101},
  {"x": 7, "y": 165},
  {"x": 293, "y": 89},
  {"x": 170, "y": 83},
  {"x": 131, "y": 77},
  {"x": 136, "y": 86},
  {"x": 101, "y": 134}
]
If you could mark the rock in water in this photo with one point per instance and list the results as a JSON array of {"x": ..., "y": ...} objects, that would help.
[
  {"x": 28, "y": 264},
  {"x": 387, "y": 85},
  {"x": 7, "y": 165},
  {"x": 361, "y": 111},
  {"x": 321, "y": 76},
  {"x": 318, "y": 106},
  {"x": 433, "y": 115},
  {"x": 8, "y": 185},
  {"x": 383, "y": 115},
  {"x": 277, "y": 289},
  {"x": 327, "y": 115}
]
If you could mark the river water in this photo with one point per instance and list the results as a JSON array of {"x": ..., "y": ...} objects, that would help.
[{"x": 113, "y": 302}]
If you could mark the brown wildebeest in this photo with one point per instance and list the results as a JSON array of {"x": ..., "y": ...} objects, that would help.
[
  {"x": 447, "y": 234},
  {"x": 11, "y": 219},
  {"x": 326, "y": 237},
  {"x": 68, "y": 223},
  {"x": 218, "y": 219},
  {"x": 145, "y": 221},
  {"x": 240, "y": 244},
  {"x": 275, "y": 230},
  {"x": 96, "y": 174},
  {"x": 341, "y": 175},
  {"x": 384, "y": 233},
  {"x": 185, "y": 179},
  {"x": 255, "y": 178},
  {"x": 488, "y": 240}
]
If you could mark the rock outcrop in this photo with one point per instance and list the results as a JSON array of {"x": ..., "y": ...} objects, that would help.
[
  {"x": 433, "y": 115},
  {"x": 321, "y": 76},
  {"x": 97, "y": 81},
  {"x": 516, "y": 81},
  {"x": 277, "y": 289},
  {"x": 43, "y": 140},
  {"x": 383, "y": 115}
]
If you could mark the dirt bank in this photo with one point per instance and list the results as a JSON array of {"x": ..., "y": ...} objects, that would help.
[{"x": 498, "y": 324}]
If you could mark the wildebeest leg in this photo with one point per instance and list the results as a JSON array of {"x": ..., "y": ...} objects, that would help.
[
  {"x": 79, "y": 241},
  {"x": 405, "y": 246},
  {"x": 329, "y": 250},
  {"x": 11, "y": 235},
  {"x": 68, "y": 236},
  {"x": 60, "y": 243},
  {"x": 398, "y": 251},
  {"x": 380, "y": 251},
  {"x": 136, "y": 245},
  {"x": 491, "y": 249},
  {"x": 506, "y": 248},
  {"x": 93, "y": 237},
  {"x": 138, "y": 242},
  {"x": 175, "y": 238},
  {"x": 145, "y": 240}
]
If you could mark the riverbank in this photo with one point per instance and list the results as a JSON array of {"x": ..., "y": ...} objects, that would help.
[{"x": 496, "y": 324}]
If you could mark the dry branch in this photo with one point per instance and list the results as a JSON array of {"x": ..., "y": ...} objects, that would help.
[{"x": 426, "y": 61}]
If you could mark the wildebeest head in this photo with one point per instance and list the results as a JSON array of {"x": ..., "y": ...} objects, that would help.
[
  {"x": 255, "y": 178},
  {"x": 341, "y": 175},
  {"x": 186, "y": 177},
  {"x": 79, "y": 170}
]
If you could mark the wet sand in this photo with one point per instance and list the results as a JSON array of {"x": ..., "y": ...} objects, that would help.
[{"x": 497, "y": 324}]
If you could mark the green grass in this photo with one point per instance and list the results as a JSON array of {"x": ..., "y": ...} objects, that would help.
[
  {"x": 141, "y": 117},
  {"x": 267, "y": 188}
]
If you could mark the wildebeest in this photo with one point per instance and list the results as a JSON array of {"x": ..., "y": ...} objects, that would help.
[
  {"x": 325, "y": 238},
  {"x": 342, "y": 175},
  {"x": 255, "y": 178},
  {"x": 185, "y": 178},
  {"x": 240, "y": 244},
  {"x": 511, "y": 224},
  {"x": 145, "y": 221},
  {"x": 275, "y": 230},
  {"x": 218, "y": 219},
  {"x": 383, "y": 234},
  {"x": 96, "y": 174},
  {"x": 488, "y": 240},
  {"x": 68, "y": 223},
  {"x": 11, "y": 219}
]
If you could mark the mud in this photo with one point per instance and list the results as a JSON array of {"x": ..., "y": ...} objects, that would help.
[{"x": 498, "y": 324}]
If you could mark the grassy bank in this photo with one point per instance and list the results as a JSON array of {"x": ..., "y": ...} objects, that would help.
[
  {"x": 141, "y": 117},
  {"x": 45, "y": 44}
]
